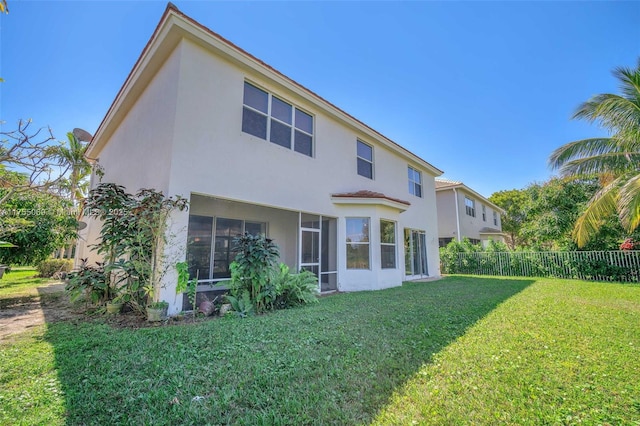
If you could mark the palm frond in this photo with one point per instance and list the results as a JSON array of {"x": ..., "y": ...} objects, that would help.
[
  {"x": 601, "y": 206},
  {"x": 629, "y": 203},
  {"x": 582, "y": 148},
  {"x": 613, "y": 112},
  {"x": 629, "y": 80},
  {"x": 615, "y": 163}
]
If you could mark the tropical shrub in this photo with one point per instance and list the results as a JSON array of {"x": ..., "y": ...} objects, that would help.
[
  {"x": 90, "y": 281},
  {"x": 252, "y": 270},
  {"x": 131, "y": 239},
  {"x": 295, "y": 289},
  {"x": 259, "y": 284},
  {"x": 50, "y": 267}
]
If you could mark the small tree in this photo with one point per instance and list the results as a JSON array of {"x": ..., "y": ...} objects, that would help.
[
  {"x": 132, "y": 237},
  {"x": 31, "y": 154}
]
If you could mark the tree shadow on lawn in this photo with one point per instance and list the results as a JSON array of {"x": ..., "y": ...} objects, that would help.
[
  {"x": 337, "y": 362},
  {"x": 19, "y": 312}
]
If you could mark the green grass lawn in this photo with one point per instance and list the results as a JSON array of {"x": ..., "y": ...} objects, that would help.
[
  {"x": 21, "y": 281},
  {"x": 460, "y": 350}
]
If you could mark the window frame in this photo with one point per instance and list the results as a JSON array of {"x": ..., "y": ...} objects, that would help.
[
  {"x": 293, "y": 125},
  {"x": 358, "y": 243},
  {"x": 366, "y": 160},
  {"x": 413, "y": 185},
  {"x": 394, "y": 244},
  {"x": 484, "y": 213},
  {"x": 212, "y": 245},
  {"x": 470, "y": 209},
  {"x": 495, "y": 218}
]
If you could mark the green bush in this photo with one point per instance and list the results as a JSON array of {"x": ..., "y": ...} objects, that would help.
[
  {"x": 52, "y": 267},
  {"x": 90, "y": 281},
  {"x": 295, "y": 289},
  {"x": 259, "y": 284}
]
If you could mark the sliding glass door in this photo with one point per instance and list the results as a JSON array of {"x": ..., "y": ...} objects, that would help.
[{"x": 415, "y": 244}]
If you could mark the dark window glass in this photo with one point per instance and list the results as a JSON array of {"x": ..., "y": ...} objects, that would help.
[
  {"x": 280, "y": 134},
  {"x": 224, "y": 252},
  {"x": 365, "y": 168},
  {"x": 357, "y": 256},
  {"x": 255, "y": 228},
  {"x": 365, "y": 151},
  {"x": 199, "y": 246},
  {"x": 256, "y": 98},
  {"x": 254, "y": 123},
  {"x": 303, "y": 144},
  {"x": 281, "y": 110},
  {"x": 304, "y": 121},
  {"x": 415, "y": 182},
  {"x": 388, "y": 257}
]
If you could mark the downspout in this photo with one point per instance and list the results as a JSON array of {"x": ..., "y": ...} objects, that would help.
[{"x": 455, "y": 198}]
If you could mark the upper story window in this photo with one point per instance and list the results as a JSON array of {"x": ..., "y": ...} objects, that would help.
[
  {"x": 495, "y": 218},
  {"x": 484, "y": 213},
  {"x": 270, "y": 118},
  {"x": 470, "y": 206},
  {"x": 415, "y": 182},
  {"x": 365, "y": 159}
]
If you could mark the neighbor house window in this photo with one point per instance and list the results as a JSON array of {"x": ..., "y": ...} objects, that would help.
[
  {"x": 365, "y": 160},
  {"x": 443, "y": 242},
  {"x": 495, "y": 218},
  {"x": 474, "y": 241},
  {"x": 387, "y": 244},
  {"x": 415, "y": 182},
  {"x": 484, "y": 213},
  {"x": 271, "y": 118},
  {"x": 470, "y": 206},
  {"x": 357, "y": 243}
]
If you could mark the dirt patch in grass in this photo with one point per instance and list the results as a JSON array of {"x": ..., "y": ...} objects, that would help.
[{"x": 23, "y": 312}]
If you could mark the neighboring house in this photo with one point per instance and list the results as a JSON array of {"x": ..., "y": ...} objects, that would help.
[
  {"x": 256, "y": 152},
  {"x": 463, "y": 213}
]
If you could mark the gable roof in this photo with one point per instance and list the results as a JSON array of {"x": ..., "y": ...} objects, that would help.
[
  {"x": 446, "y": 185},
  {"x": 175, "y": 26}
]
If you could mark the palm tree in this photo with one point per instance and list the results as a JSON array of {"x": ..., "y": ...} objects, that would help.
[
  {"x": 615, "y": 159},
  {"x": 72, "y": 157}
]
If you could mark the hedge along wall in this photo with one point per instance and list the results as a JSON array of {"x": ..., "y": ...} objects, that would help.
[{"x": 622, "y": 266}]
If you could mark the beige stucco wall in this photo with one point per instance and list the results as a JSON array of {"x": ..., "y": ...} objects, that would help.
[
  {"x": 446, "y": 204},
  {"x": 469, "y": 226},
  {"x": 138, "y": 154},
  {"x": 184, "y": 136}
]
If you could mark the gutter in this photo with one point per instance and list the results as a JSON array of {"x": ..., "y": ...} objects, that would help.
[{"x": 455, "y": 197}]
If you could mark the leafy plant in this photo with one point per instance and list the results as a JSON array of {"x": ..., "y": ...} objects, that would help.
[
  {"x": 159, "y": 305},
  {"x": 132, "y": 237},
  {"x": 253, "y": 270},
  {"x": 258, "y": 280},
  {"x": 90, "y": 281},
  {"x": 242, "y": 305},
  {"x": 295, "y": 289},
  {"x": 186, "y": 285}
]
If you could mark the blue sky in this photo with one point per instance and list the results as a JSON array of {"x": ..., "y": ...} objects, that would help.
[{"x": 482, "y": 90}]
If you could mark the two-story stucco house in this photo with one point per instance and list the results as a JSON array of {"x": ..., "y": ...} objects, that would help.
[
  {"x": 463, "y": 213},
  {"x": 256, "y": 152}
]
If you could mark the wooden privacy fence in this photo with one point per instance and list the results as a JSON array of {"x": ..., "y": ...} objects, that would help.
[{"x": 585, "y": 265}]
